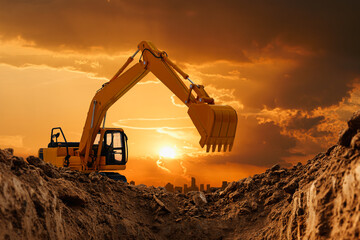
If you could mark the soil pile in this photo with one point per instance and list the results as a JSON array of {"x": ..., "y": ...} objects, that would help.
[{"x": 318, "y": 200}]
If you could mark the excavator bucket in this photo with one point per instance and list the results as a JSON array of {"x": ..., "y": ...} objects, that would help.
[{"x": 216, "y": 125}]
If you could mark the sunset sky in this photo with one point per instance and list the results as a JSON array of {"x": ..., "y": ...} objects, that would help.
[{"x": 291, "y": 69}]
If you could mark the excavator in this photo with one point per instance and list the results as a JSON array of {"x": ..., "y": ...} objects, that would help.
[{"x": 105, "y": 150}]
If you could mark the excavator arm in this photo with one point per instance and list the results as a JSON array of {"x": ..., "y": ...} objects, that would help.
[{"x": 215, "y": 123}]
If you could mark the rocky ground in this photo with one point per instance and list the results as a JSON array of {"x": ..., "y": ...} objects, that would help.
[{"x": 318, "y": 200}]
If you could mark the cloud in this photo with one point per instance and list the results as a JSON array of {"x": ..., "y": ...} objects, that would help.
[
  {"x": 313, "y": 45},
  {"x": 180, "y": 134},
  {"x": 20, "y": 54},
  {"x": 304, "y": 83},
  {"x": 299, "y": 122},
  {"x": 233, "y": 28},
  {"x": 174, "y": 101},
  {"x": 151, "y": 119},
  {"x": 302, "y": 125},
  {"x": 139, "y": 122},
  {"x": 259, "y": 144},
  {"x": 12, "y": 141},
  {"x": 161, "y": 165},
  {"x": 291, "y": 69},
  {"x": 176, "y": 129},
  {"x": 149, "y": 82},
  {"x": 159, "y": 129}
]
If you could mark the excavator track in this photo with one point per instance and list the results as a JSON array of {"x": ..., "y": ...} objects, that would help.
[{"x": 115, "y": 176}]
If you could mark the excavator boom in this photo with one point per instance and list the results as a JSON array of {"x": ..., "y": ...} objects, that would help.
[{"x": 216, "y": 124}]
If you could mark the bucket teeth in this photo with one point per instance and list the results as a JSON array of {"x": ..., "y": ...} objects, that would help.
[
  {"x": 213, "y": 147},
  {"x": 216, "y": 125},
  {"x": 219, "y": 147},
  {"x": 208, "y": 147},
  {"x": 230, "y": 147},
  {"x": 219, "y": 143},
  {"x": 222, "y": 144}
]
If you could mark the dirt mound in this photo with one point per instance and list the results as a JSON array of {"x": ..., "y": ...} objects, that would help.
[{"x": 318, "y": 200}]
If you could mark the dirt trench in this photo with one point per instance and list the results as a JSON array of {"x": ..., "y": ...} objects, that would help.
[{"x": 316, "y": 200}]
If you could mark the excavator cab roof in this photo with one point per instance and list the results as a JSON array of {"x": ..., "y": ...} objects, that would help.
[{"x": 111, "y": 129}]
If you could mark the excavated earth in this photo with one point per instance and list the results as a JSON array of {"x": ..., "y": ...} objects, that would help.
[{"x": 317, "y": 200}]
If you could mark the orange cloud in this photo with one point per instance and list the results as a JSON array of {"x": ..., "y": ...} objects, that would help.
[{"x": 291, "y": 69}]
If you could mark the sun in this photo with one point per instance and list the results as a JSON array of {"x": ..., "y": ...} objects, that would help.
[{"x": 167, "y": 152}]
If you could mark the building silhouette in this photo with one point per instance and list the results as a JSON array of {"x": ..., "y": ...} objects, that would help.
[
  {"x": 224, "y": 185},
  {"x": 169, "y": 187},
  {"x": 186, "y": 190},
  {"x": 193, "y": 187},
  {"x": 178, "y": 189}
]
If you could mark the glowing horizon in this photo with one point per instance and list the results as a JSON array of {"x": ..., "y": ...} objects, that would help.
[{"x": 293, "y": 80}]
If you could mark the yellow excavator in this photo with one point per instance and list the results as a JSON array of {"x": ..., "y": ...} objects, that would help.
[{"x": 105, "y": 149}]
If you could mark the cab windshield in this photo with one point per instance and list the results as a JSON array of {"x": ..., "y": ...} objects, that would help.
[{"x": 116, "y": 143}]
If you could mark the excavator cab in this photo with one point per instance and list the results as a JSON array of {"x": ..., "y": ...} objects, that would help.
[
  {"x": 114, "y": 147},
  {"x": 110, "y": 146},
  {"x": 109, "y": 151}
]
